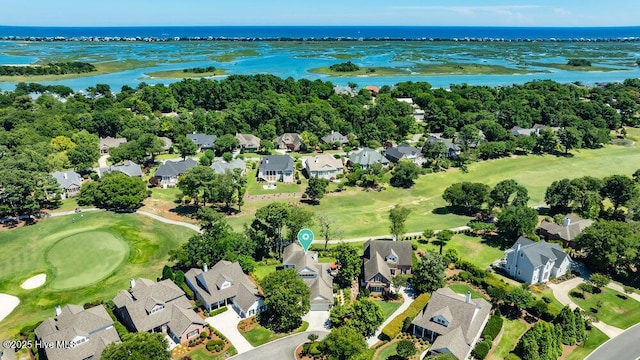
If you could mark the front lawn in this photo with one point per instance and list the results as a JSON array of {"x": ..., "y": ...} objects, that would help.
[
  {"x": 255, "y": 187},
  {"x": 204, "y": 354},
  {"x": 595, "y": 338},
  {"x": 387, "y": 351},
  {"x": 388, "y": 307},
  {"x": 259, "y": 335},
  {"x": 609, "y": 306},
  {"x": 462, "y": 289},
  {"x": 263, "y": 270},
  {"x": 512, "y": 330},
  {"x": 471, "y": 248}
]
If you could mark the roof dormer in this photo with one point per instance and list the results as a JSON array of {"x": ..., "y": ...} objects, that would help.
[{"x": 392, "y": 257}]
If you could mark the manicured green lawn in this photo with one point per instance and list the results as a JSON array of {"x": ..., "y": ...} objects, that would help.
[
  {"x": 595, "y": 338},
  {"x": 68, "y": 205},
  {"x": 513, "y": 329},
  {"x": 555, "y": 306},
  {"x": 203, "y": 354},
  {"x": 85, "y": 258},
  {"x": 616, "y": 309},
  {"x": 263, "y": 270},
  {"x": 387, "y": 351},
  {"x": 255, "y": 187},
  {"x": 24, "y": 254},
  {"x": 388, "y": 307},
  {"x": 260, "y": 335},
  {"x": 169, "y": 195},
  {"x": 471, "y": 248},
  {"x": 462, "y": 289}
]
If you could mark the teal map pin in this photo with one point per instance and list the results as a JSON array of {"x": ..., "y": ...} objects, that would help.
[{"x": 305, "y": 237}]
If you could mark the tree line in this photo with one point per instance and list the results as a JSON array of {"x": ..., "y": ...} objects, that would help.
[{"x": 53, "y": 68}]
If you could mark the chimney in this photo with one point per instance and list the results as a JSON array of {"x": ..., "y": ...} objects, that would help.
[
  {"x": 132, "y": 283},
  {"x": 314, "y": 255},
  {"x": 58, "y": 310},
  {"x": 566, "y": 222},
  {"x": 266, "y": 161},
  {"x": 205, "y": 268},
  {"x": 468, "y": 297},
  {"x": 65, "y": 175}
]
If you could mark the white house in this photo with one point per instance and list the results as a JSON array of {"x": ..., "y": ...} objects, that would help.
[
  {"x": 274, "y": 168},
  {"x": 324, "y": 166},
  {"x": 535, "y": 262}
]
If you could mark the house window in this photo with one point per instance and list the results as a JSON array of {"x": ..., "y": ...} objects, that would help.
[{"x": 192, "y": 334}]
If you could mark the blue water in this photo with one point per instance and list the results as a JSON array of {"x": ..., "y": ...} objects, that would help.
[{"x": 406, "y": 32}]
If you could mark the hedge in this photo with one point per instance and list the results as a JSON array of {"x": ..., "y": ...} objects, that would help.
[
  {"x": 187, "y": 290},
  {"x": 394, "y": 327},
  {"x": 215, "y": 345},
  {"x": 218, "y": 311},
  {"x": 481, "y": 350},
  {"x": 494, "y": 325}
]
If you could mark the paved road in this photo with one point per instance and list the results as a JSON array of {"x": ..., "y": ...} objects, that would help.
[
  {"x": 281, "y": 349},
  {"x": 227, "y": 324},
  {"x": 623, "y": 347},
  {"x": 407, "y": 301}
]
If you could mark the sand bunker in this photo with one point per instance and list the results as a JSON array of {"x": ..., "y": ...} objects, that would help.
[
  {"x": 34, "y": 282},
  {"x": 7, "y": 304}
]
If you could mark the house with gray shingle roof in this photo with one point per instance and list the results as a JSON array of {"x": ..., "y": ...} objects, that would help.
[
  {"x": 166, "y": 143},
  {"x": 225, "y": 284},
  {"x": 274, "y": 168},
  {"x": 324, "y": 166},
  {"x": 404, "y": 151},
  {"x": 248, "y": 142},
  {"x": 452, "y": 150},
  {"x": 221, "y": 167},
  {"x": 335, "y": 138},
  {"x": 535, "y": 262},
  {"x": 572, "y": 226},
  {"x": 158, "y": 307},
  {"x": 69, "y": 181},
  {"x": 110, "y": 142},
  {"x": 452, "y": 323},
  {"x": 366, "y": 157},
  {"x": 86, "y": 332},
  {"x": 315, "y": 275},
  {"x": 202, "y": 141},
  {"x": 128, "y": 168},
  {"x": 167, "y": 173},
  {"x": 382, "y": 260},
  {"x": 289, "y": 141}
]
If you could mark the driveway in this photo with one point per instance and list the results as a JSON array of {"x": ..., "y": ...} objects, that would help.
[
  {"x": 407, "y": 301},
  {"x": 281, "y": 349},
  {"x": 227, "y": 324},
  {"x": 318, "y": 320},
  {"x": 102, "y": 161},
  {"x": 622, "y": 347}
]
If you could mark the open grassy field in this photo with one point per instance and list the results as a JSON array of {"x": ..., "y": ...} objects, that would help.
[
  {"x": 472, "y": 248},
  {"x": 513, "y": 329},
  {"x": 610, "y": 307},
  {"x": 255, "y": 187},
  {"x": 51, "y": 245}
]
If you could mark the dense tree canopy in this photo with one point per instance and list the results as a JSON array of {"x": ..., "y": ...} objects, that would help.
[
  {"x": 139, "y": 346},
  {"x": 114, "y": 191},
  {"x": 349, "y": 263},
  {"x": 611, "y": 246},
  {"x": 467, "y": 195},
  {"x": 363, "y": 315},
  {"x": 287, "y": 299},
  {"x": 343, "y": 343},
  {"x": 516, "y": 221},
  {"x": 428, "y": 274}
]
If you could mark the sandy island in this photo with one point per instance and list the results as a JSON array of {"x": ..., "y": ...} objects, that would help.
[
  {"x": 7, "y": 304},
  {"x": 34, "y": 282}
]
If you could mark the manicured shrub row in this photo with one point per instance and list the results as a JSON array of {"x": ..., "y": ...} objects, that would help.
[
  {"x": 394, "y": 327},
  {"x": 218, "y": 311},
  {"x": 494, "y": 325},
  {"x": 215, "y": 345}
]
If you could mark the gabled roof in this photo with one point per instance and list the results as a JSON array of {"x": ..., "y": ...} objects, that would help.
[
  {"x": 402, "y": 151},
  {"x": 182, "y": 318},
  {"x": 221, "y": 167},
  {"x": 540, "y": 252},
  {"x": 174, "y": 168},
  {"x": 248, "y": 140},
  {"x": 376, "y": 253},
  {"x": 276, "y": 163},
  {"x": 344, "y": 90},
  {"x": 202, "y": 140},
  {"x": 294, "y": 255},
  {"x": 367, "y": 156},
  {"x": 324, "y": 162},
  {"x": 321, "y": 286},
  {"x": 110, "y": 142},
  {"x": 67, "y": 178},
  {"x": 450, "y": 146},
  {"x": 468, "y": 317},
  {"x": 452, "y": 342},
  {"x": 167, "y": 143},
  {"x": 290, "y": 139},
  {"x": 335, "y": 137},
  {"x": 74, "y": 322},
  {"x": 570, "y": 229},
  {"x": 128, "y": 168}
]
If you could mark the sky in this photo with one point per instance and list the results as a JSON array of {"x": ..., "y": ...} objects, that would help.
[{"x": 320, "y": 12}]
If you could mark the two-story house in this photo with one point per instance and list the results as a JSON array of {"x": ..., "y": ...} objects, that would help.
[
  {"x": 315, "y": 275},
  {"x": 535, "y": 262},
  {"x": 289, "y": 141},
  {"x": 404, "y": 151},
  {"x": 202, "y": 141},
  {"x": 382, "y": 260},
  {"x": 572, "y": 226},
  {"x": 366, "y": 157},
  {"x": 335, "y": 138},
  {"x": 324, "y": 166},
  {"x": 274, "y": 168},
  {"x": 452, "y": 151},
  {"x": 248, "y": 142}
]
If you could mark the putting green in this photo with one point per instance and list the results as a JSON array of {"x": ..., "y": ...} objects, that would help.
[{"x": 85, "y": 258}]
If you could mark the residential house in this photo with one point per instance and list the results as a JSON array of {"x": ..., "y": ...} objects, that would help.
[
  {"x": 7, "y": 352},
  {"x": 150, "y": 306},
  {"x": 166, "y": 143},
  {"x": 535, "y": 262},
  {"x": 406, "y": 101},
  {"x": 374, "y": 90},
  {"x": 404, "y": 151},
  {"x": 315, "y": 275},
  {"x": 335, "y": 138},
  {"x": 248, "y": 142},
  {"x": 203, "y": 141},
  {"x": 109, "y": 142},
  {"x": 571, "y": 227},
  {"x": 221, "y": 167},
  {"x": 167, "y": 173},
  {"x": 382, "y": 260},
  {"x": 128, "y": 168},
  {"x": 518, "y": 131},
  {"x": 69, "y": 181},
  {"x": 80, "y": 333},
  {"x": 289, "y": 141},
  {"x": 324, "y": 166},
  {"x": 274, "y": 168},
  {"x": 225, "y": 284},
  {"x": 452, "y": 150},
  {"x": 345, "y": 90},
  {"x": 366, "y": 157},
  {"x": 452, "y": 323}
]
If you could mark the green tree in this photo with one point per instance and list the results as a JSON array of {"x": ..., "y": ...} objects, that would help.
[
  {"x": 225, "y": 143},
  {"x": 520, "y": 297},
  {"x": 467, "y": 195},
  {"x": 516, "y": 221},
  {"x": 566, "y": 319},
  {"x": 546, "y": 142},
  {"x": 287, "y": 299},
  {"x": 139, "y": 346},
  {"x": 83, "y": 156},
  {"x": 118, "y": 191},
  {"x": 599, "y": 280},
  {"x": 428, "y": 273},
  {"x": 363, "y": 315},
  {"x": 267, "y": 228},
  {"x": 610, "y": 245},
  {"x": 349, "y": 263},
  {"x": 167, "y": 273},
  {"x": 298, "y": 219},
  {"x": 508, "y": 192},
  {"x": 404, "y": 174},
  {"x": 442, "y": 238},
  {"x": 398, "y": 216},
  {"x": 406, "y": 349},
  {"x": 62, "y": 143},
  {"x": 343, "y": 343},
  {"x": 570, "y": 138},
  {"x": 316, "y": 188},
  {"x": 560, "y": 194},
  {"x": 619, "y": 189},
  {"x": 327, "y": 230},
  {"x": 579, "y": 325},
  {"x": 185, "y": 146}
]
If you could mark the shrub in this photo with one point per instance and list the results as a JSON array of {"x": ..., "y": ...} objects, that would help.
[
  {"x": 187, "y": 291},
  {"x": 215, "y": 345},
  {"x": 512, "y": 356},
  {"x": 406, "y": 349},
  {"x": 394, "y": 327},
  {"x": 586, "y": 288},
  {"x": 494, "y": 325},
  {"x": 218, "y": 311},
  {"x": 547, "y": 299},
  {"x": 120, "y": 329},
  {"x": 481, "y": 350},
  {"x": 628, "y": 289},
  {"x": 203, "y": 335},
  {"x": 406, "y": 324}
]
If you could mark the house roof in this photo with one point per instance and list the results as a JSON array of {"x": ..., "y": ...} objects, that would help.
[
  {"x": 175, "y": 168},
  {"x": 335, "y": 137},
  {"x": 167, "y": 143},
  {"x": 346, "y": 90},
  {"x": 538, "y": 253},
  {"x": 67, "y": 178},
  {"x": 366, "y": 157},
  {"x": 570, "y": 229},
  {"x": 74, "y": 321},
  {"x": 373, "y": 89},
  {"x": 221, "y": 167},
  {"x": 209, "y": 284},
  {"x": 401, "y": 151},
  {"x": 128, "y": 168},
  {"x": 324, "y": 162},
  {"x": 450, "y": 145},
  {"x": 110, "y": 142},
  {"x": 452, "y": 342},
  {"x": 248, "y": 140},
  {"x": 376, "y": 253},
  {"x": 468, "y": 317},
  {"x": 321, "y": 286},
  {"x": 290, "y": 139},
  {"x": 276, "y": 163},
  {"x": 202, "y": 140}
]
